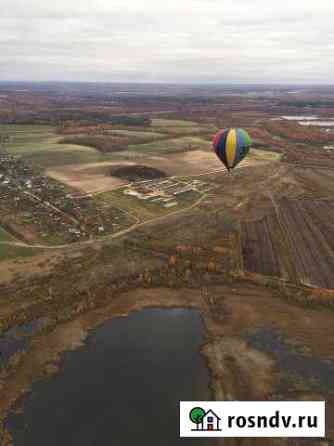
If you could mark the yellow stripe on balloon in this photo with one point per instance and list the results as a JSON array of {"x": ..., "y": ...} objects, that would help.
[{"x": 231, "y": 147}]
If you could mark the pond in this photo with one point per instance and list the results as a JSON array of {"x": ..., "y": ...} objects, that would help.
[{"x": 122, "y": 387}]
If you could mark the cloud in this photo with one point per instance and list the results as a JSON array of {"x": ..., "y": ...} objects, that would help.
[{"x": 188, "y": 40}]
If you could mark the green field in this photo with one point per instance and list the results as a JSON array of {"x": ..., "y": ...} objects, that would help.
[
  {"x": 182, "y": 128},
  {"x": 191, "y": 131},
  {"x": 142, "y": 209},
  {"x": 39, "y": 144},
  {"x": 56, "y": 155},
  {"x": 263, "y": 155},
  {"x": 172, "y": 123},
  {"x": 5, "y": 236},
  {"x": 138, "y": 134},
  {"x": 8, "y": 252},
  {"x": 172, "y": 145}
]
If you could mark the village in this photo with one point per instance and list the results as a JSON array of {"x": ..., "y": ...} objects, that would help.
[
  {"x": 34, "y": 207},
  {"x": 167, "y": 191}
]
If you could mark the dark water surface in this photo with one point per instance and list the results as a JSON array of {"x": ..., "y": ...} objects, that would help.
[
  {"x": 293, "y": 361},
  {"x": 18, "y": 338},
  {"x": 123, "y": 387}
]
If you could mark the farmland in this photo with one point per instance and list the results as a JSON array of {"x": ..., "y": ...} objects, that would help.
[
  {"x": 136, "y": 136},
  {"x": 170, "y": 123},
  {"x": 39, "y": 145},
  {"x": 301, "y": 235},
  {"x": 42, "y": 146},
  {"x": 51, "y": 207},
  {"x": 310, "y": 238},
  {"x": 96, "y": 177},
  {"x": 260, "y": 255},
  {"x": 173, "y": 145},
  {"x": 182, "y": 128}
]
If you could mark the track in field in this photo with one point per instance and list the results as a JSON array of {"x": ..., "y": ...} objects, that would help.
[
  {"x": 260, "y": 255},
  {"x": 307, "y": 228}
]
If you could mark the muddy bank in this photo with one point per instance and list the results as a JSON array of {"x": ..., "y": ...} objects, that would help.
[{"x": 238, "y": 371}]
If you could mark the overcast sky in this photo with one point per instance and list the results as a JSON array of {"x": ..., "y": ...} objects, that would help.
[{"x": 283, "y": 41}]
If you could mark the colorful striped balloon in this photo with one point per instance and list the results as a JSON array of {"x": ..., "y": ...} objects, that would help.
[{"x": 231, "y": 146}]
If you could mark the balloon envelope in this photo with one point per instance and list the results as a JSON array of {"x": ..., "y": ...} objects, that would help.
[{"x": 231, "y": 146}]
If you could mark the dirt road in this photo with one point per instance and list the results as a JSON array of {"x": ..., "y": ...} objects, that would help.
[{"x": 107, "y": 237}]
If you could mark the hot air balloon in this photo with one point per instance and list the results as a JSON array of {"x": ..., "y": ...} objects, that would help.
[{"x": 231, "y": 146}]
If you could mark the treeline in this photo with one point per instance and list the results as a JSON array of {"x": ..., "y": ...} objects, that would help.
[
  {"x": 144, "y": 121},
  {"x": 75, "y": 128},
  {"x": 297, "y": 133},
  {"x": 102, "y": 144},
  {"x": 85, "y": 117},
  {"x": 54, "y": 117},
  {"x": 308, "y": 103}
]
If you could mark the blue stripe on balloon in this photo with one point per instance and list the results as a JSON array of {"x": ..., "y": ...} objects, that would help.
[{"x": 221, "y": 147}]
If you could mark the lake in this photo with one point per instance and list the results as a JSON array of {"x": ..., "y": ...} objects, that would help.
[
  {"x": 309, "y": 121},
  {"x": 122, "y": 387}
]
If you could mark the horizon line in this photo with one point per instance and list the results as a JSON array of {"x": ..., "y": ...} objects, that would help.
[{"x": 187, "y": 83}]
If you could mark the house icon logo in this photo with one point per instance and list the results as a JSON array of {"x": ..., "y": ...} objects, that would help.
[{"x": 205, "y": 421}]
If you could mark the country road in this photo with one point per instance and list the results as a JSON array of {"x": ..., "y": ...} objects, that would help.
[{"x": 107, "y": 237}]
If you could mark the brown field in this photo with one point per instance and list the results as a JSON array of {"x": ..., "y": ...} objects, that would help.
[
  {"x": 96, "y": 178},
  {"x": 316, "y": 182},
  {"x": 303, "y": 236},
  {"x": 89, "y": 178},
  {"x": 260, "y": 254},
  {"x": 310, "y": 234}
]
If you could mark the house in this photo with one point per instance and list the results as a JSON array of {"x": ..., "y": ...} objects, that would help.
[{"x": 210, "y": 421}]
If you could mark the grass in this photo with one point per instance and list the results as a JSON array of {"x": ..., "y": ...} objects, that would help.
[
  {"x": 65, "y": 156},
  {"x": 264, "y": 155},
  {"x": 138, "y": 134},
  {"x": 182, "y": 128},
  {"x": 172, "y": 145},
  {"x": 22, "y": 135},
  {"x": 172, "y": 123},
  {"x": 8, "y": 252},
  {"x": 5, "y": 236},
  {"x": 145, "y": 210},
  {"x": 188, "y": 131},
  {"x": 39, "y": 144},
  {"x": 140, "y": 209}
]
